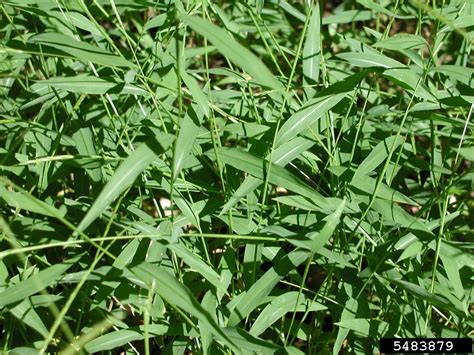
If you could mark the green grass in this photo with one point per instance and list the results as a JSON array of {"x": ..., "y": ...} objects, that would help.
[{"x": 224, "y": 177}]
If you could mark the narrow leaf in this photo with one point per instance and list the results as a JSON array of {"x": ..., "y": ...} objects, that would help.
[
  {"x": 378, "y": 154},
  {"x": 279, "y": 307},
  {"x": 246, "y": 302},
  {"x": 312, "y": 51},
  {"x": 175, "y": 293},
  {"x": 366, "y": 60},
  {"x": 320, "y": 239},
  {"x": 279, "y": 176},
  {"x": 188, "y": 132},
  {"x": 121, "y": 337},
  {"x": 26, "y": 313},
  {"x": 124, "y": 176},
  {"x": 401, "y": 41},
  {"x": 233, "y": 50},
  {"x": 35, "y": 283},
  {"x": 80, "y": 50},
  {"x": 25, "y": 201},
  {"x": 196, "y": 92},
  {"x": 422, "y": 293},
  {"x": 307, "y": 116},
  {"x": 85, "y": 84}
]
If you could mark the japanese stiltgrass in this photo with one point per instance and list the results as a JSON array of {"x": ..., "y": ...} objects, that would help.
[{"x": 234, "y": 177}]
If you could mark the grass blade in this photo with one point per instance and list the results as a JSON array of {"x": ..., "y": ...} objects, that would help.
[
  {"x": 35, "y": 283},
  {"x": 366, "y": 60},
  {"x": 249, "y": 300},
  {"x": 179, "y": 295},
  {"x": 308, "y": 115},
  {"x": 184, "y": 144},
  {"x": 233, "y": 50},
  {"x": 124, "y": 176},
  {"x": 80, "y": 50},
  {"x": 312, "y": 51}
]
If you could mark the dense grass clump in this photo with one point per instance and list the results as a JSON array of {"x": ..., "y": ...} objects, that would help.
[{"x": 221, "y": 177}]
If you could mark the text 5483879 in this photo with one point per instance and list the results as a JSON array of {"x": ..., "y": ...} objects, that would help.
[{"x": 426, "y": 345}]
